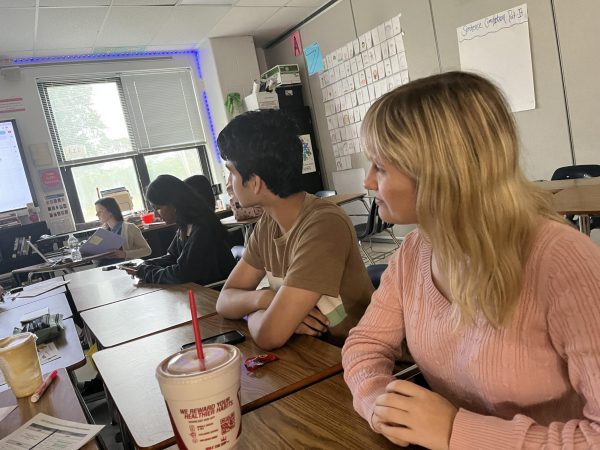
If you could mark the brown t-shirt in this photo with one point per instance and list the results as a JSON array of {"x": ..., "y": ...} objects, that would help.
[{"x": 320, "y": 254}]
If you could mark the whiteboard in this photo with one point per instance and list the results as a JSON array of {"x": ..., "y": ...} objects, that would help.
[{"x": 498, "y": 47}]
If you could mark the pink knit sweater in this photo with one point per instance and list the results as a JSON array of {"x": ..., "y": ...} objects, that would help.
[{"x": 533, "y": 383}]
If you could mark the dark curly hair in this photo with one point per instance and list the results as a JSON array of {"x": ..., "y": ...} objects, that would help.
[{"x": 265, "y": 143}]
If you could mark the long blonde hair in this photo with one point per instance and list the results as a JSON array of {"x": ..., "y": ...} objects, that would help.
[{"x": 455, "y": 137}]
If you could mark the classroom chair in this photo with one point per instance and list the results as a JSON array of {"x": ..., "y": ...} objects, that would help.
[{"x": 374, "y": 225}]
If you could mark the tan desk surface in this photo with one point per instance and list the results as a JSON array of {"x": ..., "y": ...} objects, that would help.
[
  {"x": 147, "y": 314},
  {"x": 320, "y": 416},
  {"x": 340, "y": 199},
  {"x": 128, "y": 373},
  {"x": 71, "y": 353},
  {"x": 578, "y": 200},
  {"x": 555, "y": 186},
  {"x": 96, "y": 275},
  {"x": 57, "y": 304},
  {"x": 59, "y": 400},
  {"x": 17, "y": 302},
  {"x": 114, "y": 288}
]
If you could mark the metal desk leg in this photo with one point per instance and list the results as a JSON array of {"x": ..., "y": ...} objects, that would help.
[{"x": 584, "y": 224}]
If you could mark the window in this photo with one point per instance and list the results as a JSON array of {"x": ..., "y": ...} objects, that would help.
[
  {"x": 182, "y": 164},
  {"x": 123, "y": 131}
]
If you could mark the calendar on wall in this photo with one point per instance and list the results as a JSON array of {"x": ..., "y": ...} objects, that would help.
[{"x": 356, "y": 75}]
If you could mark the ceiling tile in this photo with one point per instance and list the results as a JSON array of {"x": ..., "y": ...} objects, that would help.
[
  {"x": 307, "y": 3},
  {"x": 242, "y": 21},
  {"x": 145, "y": 2},
  {"x": 283, "y": 20},
  {"x": 16, "y": 29},
  {"x": 132, "y": 25},
  {"x": 17, "y": 3},
  {"x": 74, "y": 3},
  {"x": 189, "y": 24},
  {"x": 62, "y": 27},
  {"x": 262, "y": 2}
]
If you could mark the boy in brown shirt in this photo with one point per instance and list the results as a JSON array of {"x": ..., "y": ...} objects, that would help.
[{"x": 306, "y": 246}]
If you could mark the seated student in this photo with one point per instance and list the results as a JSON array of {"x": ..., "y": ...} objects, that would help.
[
  {"x": 199, "y": 251},
  {"x": 498, "y": 297},
  {"x": 202, "y": 187},
  {"x": 134, "y": 244},
  {"x": 306, "y": 246}
]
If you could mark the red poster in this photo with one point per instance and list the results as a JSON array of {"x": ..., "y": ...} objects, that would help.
[
  {"x": 296, "y": 43},
  {"x": 50, "y": 179}
]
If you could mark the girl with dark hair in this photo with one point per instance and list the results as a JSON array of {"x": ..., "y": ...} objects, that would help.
[
  {"x": 199, "y": 252},
  {"x": 134, "y": 244},
  {"x": 201, "y": 185}
]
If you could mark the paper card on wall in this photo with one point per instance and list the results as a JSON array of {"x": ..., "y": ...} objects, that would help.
[
  {"x": 348, "y": 68},
  {"x": 369, "y": 39},
  {"x": 389, "y": 30},
  {"x": 353, "y": 66},
  {"x": 399, "y": 43},
  {"x": 371, "y": 93},
  {"x": 50, "y": 179},
  {"x": 395, "y": 64},
  {"x": 353, "y": 99},
  {"x": 388, "y": 67},
  {"x": 308, "y": 158},
  {"x": 402, "y": 61},
  {"x": 343, "y": 133},
  {"x": 381, "y": 69},
  {"x": 392, "y": 47},
  {"x": 351, "y": 148},
  {"x": 343, "y": 102},
  {"x": 396, "y": 28},
  {"x": 359, "y": 62},
  {"x": 296, "y": 43},
  {"x": 339, "y": 56},
  {"x": 375, "y": 36},
  {"x": 377, "y": 51},
  {"x": 385, "y": 51},
  {"x": 340, "y": 120},
  {"x": 378, "y": 91},
  {"x": 369, "y": 73},
  {"x": 314, "y": 59},
  {"x": 381, "y": 32},
  {"x": 404, "y": 75},
  {"x": 342, "y": 71},
  {"x": 365, "y": 58},
  {"x": 356, "y": 80},
  {"x": 362, "y": 78},
  {"x": 345, "y": 55},
  {"x": 346, "y": 118},
  {"x": 499, "y": 48},
  {"x": 372, "y": 56},
  {"x": 391, "y": 84},
  {"x": 348, "y": 162},
  {"x": 362, "y": 39},
  {"x": 348, "y": 101},
  {"x": 356, "y": 46},
  {"x": 350, "y": 50},
  {"x": 397, "y": 79}
]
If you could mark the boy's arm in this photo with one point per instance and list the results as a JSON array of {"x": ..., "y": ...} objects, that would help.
[
  {"x": 239, "y": 296},
  {"x": 289, "y": 311}
]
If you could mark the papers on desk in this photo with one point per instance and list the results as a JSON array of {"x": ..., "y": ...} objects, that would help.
[
  {"x": 33, "y": 290},
  {"x": 34, "y": 314},
  {"x": 6, "y": 411},
  {"x": 46, "y": 433}
]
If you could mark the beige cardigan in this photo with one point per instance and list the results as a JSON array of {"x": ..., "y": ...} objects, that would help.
[{"x": 134, "y": 244}]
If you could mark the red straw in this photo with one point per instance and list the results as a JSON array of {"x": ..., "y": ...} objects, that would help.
[{"x": 196, "y": 328}]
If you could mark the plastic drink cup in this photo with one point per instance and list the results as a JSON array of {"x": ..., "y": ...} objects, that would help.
[
  {"x": 20, "y": 363},
  {"x": 204, "y": 406},
  {"x": 148, "y": 218}
]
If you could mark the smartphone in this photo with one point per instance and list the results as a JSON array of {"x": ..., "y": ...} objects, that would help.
[
  {"x": 107, "y": 268},
  {"x": 408, "y": 374},
  {"x": 229, "y": 337},
  {"x": 128, "y": 264}
]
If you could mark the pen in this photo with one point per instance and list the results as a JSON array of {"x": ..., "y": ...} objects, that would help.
[{"x": 40, "y": 390}]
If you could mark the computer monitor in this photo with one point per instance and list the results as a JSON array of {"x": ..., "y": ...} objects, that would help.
[{"x": 15, "y": 177}]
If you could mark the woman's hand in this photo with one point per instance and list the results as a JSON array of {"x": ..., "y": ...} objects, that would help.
[
  {"x": 118, "y": 254},
  {"x": 409, "y": 414}
]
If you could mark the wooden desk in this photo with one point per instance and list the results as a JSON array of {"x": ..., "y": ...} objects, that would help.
[
  {"x": 320, "y": 416},
  {"x": 555, "y": 186},
  {"x": 581, "y": 200},
  {"x": 115, "y": 288},
  {"x": 128, "y": 374},
  {"x": 71, "y": 353},
  {"x": 147, "y": 314},
  {"x": 246, "y": 225},
  {"x": 57, "y": 304},
  {"x": 60, "y": 400}
]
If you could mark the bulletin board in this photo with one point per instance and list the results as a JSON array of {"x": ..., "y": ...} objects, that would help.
[{"x": 354, "y": 76}]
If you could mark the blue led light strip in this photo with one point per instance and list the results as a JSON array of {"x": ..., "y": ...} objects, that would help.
[{"x": 90, "y": 57}]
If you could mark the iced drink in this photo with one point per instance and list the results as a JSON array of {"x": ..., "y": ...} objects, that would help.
[
  {"x": 204, "y": 406},
  {"x": 20, "y": 363}
]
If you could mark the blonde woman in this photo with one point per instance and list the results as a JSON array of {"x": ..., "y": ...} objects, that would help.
[{"x": 498, "y": 299}]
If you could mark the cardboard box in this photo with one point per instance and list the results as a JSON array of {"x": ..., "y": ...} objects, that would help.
[
  {"x": 283, "y": 74},
  {"x": 261, "y": 100}
]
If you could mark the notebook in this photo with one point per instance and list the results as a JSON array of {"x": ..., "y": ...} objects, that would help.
[{"x": 101, "y": 241}]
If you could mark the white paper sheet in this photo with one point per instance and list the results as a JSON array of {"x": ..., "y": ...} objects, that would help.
[
  {"x": 498, "y": 47},
  {"x": 49, "y": 433},
  {"x": 47, "y": 353}
]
